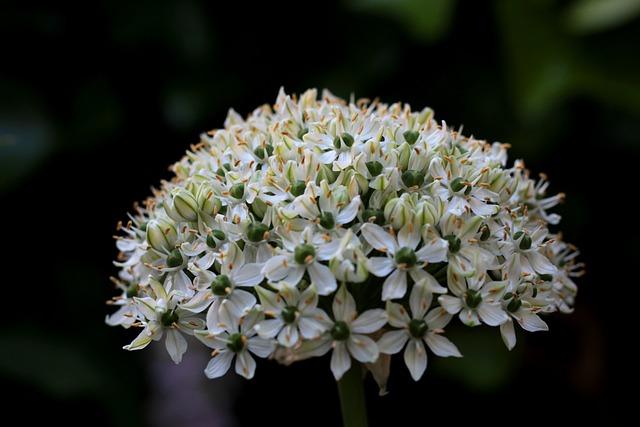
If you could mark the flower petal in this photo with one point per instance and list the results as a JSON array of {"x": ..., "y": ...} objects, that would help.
[
  {"x": 380, "y": 266},
  {"x": 248, "y": 275},
  {"x": 260, "y": 347},
  {"x": 363, "y": 348},
  {"x": 245, "y": 365},
  {"x": 340, "y": 361},
  {"x": 370, "y": 321},
  {"x": 175, "y": 344},
  {"x": 415, "y": 357},
  {"x": 322, "y": 277},
  {"x": 219, "y": 364},
  {"x": 394, "y": 286},
  {"x": 344, "y": 306},
  {"x": 397, "y": 315},
  {"x": 442, "y": 346},
  {"x": 492, "y": 314},
  {"x": 378, "y": 238},
  {"x": 508, "y": 333},
  {"x": 392, "y": 341}
]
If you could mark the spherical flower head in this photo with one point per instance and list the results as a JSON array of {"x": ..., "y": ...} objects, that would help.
[{"x": 319, "y": 224}]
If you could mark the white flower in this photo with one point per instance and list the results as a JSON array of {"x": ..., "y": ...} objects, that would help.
[
  {"x": 346, "y": 334},
  {"x": 327, "y": 209},
  {"x": 127, "y": 313},
  {"x": 476, "y": 299},
  {"x": 162, "y": 316},
  {"x": 403, "y": 258},
  {"x": 293, "y": 315},
  {"x": 565, "y": 289},
  {"x": 524, "y": 309},
  {"x": 349, "y": 263},
  {"x": 230, "y": 301},
  {"x": 239, "y": 341},
  {"x": 465, "y": 255},
  {"x": 302, "y": 253},
  {"x": 522, "y": 254},
  {"x": 418, "y": 327},
  {"x": 463, "y": 187}
]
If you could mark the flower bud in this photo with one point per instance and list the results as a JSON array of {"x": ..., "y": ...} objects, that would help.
[
  {"x": 259, "y": 207},
  {"x": 399, "y": 211},
  {"x": 404, "y": 156},
  {"x": 182, "y": 206},
  {"x": 208, "y": 201},
  {"x": 162, "y": 235},
  {"x": 429, "y": 211},
  {"x": 326, "y": 173}
]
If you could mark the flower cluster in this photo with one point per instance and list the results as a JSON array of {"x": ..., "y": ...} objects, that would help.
[{"x": 318, "y": 225}]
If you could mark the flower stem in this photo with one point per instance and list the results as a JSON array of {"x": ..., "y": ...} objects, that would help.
[{"x": 352, "y": 398}]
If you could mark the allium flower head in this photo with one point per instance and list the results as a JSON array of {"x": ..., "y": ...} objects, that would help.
[{"x": 322, "y": 225}]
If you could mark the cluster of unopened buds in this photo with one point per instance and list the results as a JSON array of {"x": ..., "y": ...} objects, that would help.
[{"x": 319, "y": 225}]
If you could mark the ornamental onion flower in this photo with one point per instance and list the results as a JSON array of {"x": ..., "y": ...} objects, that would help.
[{"x": 321, "y": 224}]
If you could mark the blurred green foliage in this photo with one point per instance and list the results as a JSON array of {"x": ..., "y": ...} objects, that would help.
[{"x": 98, "y": 98}]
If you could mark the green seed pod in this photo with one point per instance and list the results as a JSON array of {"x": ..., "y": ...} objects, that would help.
[
  {"x": 327, "y": 220},
  {"x": 375, "y": 168},
  {"x": 263, "y": 153},
  {"x": 485, "y": 233},
  {"x": 224, "y": 168},
  {"x": 290, "y": 314},
  {"x": 302, "y": 132},
  {"x": 473, "y": 298},
  {"x": 211, "y": 242},
  {"x": 174, "y": 259},
  {"x": 132, "y": 290},
  {"x": 302, "y": 253},
  {"x": 456, "y": 184},
  {"x": 514, "y": 305},
  {"x": 406, "y": 256},
  {"x": 373, "y": 215},
  {"x": 169, "y": 318},
  {"x": 236, "y": 342},
  {"x": 418, "y": 328},
  {"x": 297, "y": 188},
  {"x": 237, "y": 190},
  {"x": 257, "y": 231},
  {"x": 526, "y": 242},
  {"x": 412, "y": 178},
  {"x": 221, "y": 286},
  {"x": 344, "y": 138},
  {"x": 454, "y": 243},
  {"x": 411, "y": 136},
  {"x": 340, "y": 331}
]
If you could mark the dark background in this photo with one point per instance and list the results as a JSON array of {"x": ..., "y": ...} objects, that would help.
[{"x": 98, "y": 98}]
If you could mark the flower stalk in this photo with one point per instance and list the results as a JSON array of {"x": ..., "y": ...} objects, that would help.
[{"x": 353, "y": 403}]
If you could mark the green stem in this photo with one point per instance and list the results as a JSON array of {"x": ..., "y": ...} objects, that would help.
[{"x": 352, "y": 398}]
